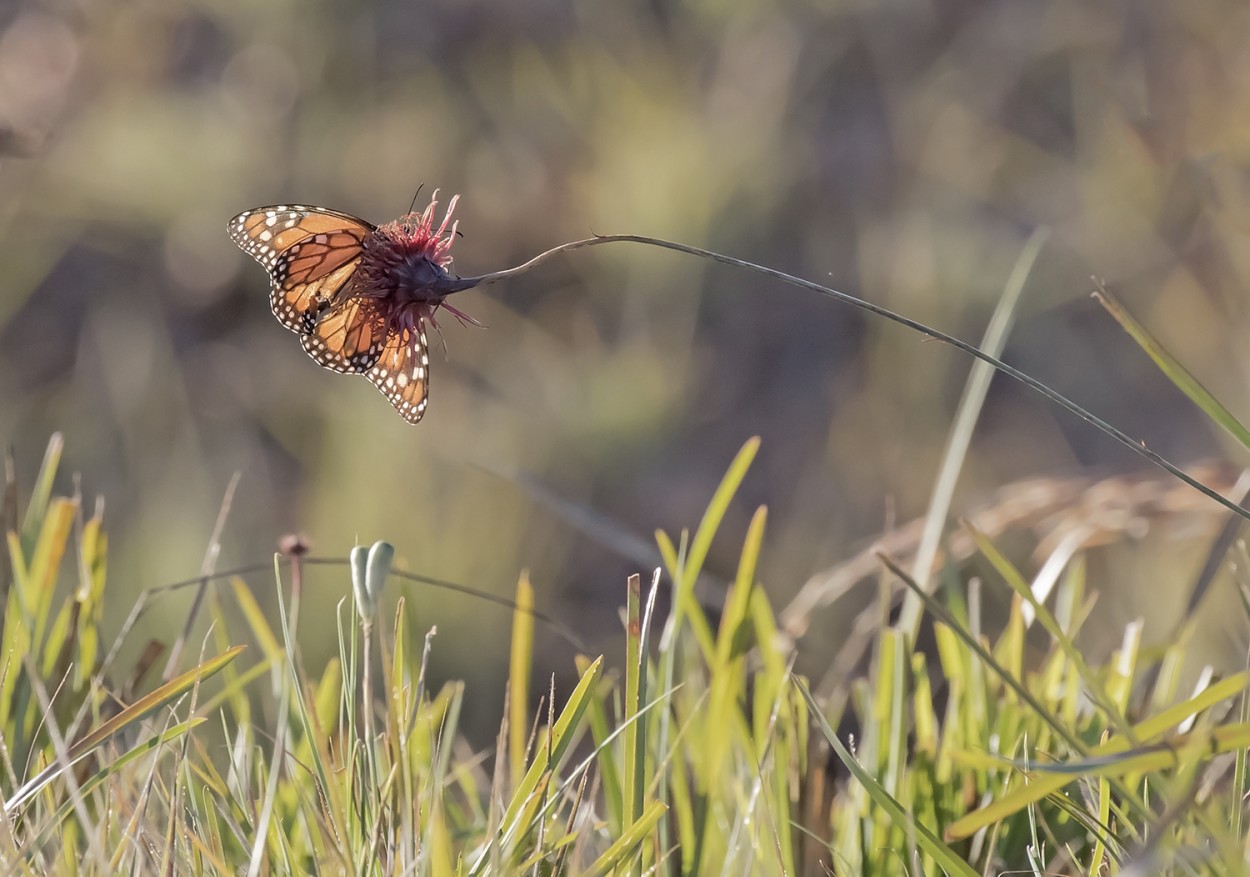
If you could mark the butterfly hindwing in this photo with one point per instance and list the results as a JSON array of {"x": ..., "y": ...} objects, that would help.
[
  {"x": 310, "y": 253},
  {"x": 402, "y": 372},
  {"x": 348, "y": 337}
]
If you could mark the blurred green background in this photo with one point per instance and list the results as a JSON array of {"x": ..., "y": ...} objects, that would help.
[{"x": 903, "y": 151}]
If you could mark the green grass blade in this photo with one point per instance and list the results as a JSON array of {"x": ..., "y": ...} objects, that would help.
[
  {"x": 685, "y": 576},
  {"x": 520, "y": 665},
  {"x": 561, "y": 737},
  {"x": 132, "y": 713},
  {"x": 256, "y": 621},
  {"x": 625, "y": 845},
  {"x": 1017, "y": 583},
  {"x": 113, "y": 769},
  {"x": 976, "y": 388},
  {"x": 929, "y": 842},
  {"x": 1173, "y": 370},
  {"x": 635, "y": 668},
  {"x": 41, "y": 492}
]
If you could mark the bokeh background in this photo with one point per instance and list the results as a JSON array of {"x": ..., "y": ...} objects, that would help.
[{"x": 903, "y": 151}]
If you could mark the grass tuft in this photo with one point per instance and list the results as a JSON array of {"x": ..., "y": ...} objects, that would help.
[{"x": 986, "y": 753}]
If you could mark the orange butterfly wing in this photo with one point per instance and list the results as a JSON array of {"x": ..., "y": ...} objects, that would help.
[
  {"x": 310, "y": 253},
  {"x": 402, "y": 372},
  {"x": 348, "y": 337}
]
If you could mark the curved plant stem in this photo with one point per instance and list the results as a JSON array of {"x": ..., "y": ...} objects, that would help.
[{"x": 1123, "y": 438}]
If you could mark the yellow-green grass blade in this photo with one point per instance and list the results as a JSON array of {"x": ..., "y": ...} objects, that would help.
[
  {"x": 723, "y": 724},
  {"x": 1116, "y": 750},
  {"x": 520, "y": 665},
  {"x": 132, "y": 713},
  {"x": 929, "y": 842},
  {"x": 1104, "y": 814},
  {"x": 41, "y": 492},
  {"x": 987, "y": 659},
  {"x": 1146, "y": 730},
  {"x": 1017, "y": 583},
  {"x": 270, "y": 647},
  {"x": 45, "y": 561},
  {"x": 1048, "y": 779},
  {"x": 56, "y": 644},
  {"x": 630, "y": 840},
  {"x": 114, "y": 768},
  {"x": 1175, "y": 372},
  {"x": 561, "y": 737},
  {"x": 635, "y": 669},
  {"x": 702, "y": 541},
  {"x": 90, "y": 596},
  {"x": 692, "y": 613},
  {"x": 609, "y": 771},
  {"x": 234, "y": 687},
  {"x": 967, "y": 414},
  {"x": 733, "y": 638},
  {"x": 685, "y": 575}
]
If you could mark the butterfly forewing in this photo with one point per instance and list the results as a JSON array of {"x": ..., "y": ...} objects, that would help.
[
  {"x": 349, "y": 337},
  {"x": 310, "y": 253},
  {"x": 313, "y": 274},
  {"x": 402, "y": 372}
]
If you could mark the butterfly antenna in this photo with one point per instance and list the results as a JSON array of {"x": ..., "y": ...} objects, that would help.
[{"x": 413, "y": 205}]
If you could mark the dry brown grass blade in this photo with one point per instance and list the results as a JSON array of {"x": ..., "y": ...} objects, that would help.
[
  {"x": 1108, "y": 508},
  {"x": 206, "y": 572}
]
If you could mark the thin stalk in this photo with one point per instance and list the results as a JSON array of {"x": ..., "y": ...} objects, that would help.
[{"x": 1037, "y": 386}]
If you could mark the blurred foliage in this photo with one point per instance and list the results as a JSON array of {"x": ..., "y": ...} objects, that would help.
[{"x": 902, "y": 151}]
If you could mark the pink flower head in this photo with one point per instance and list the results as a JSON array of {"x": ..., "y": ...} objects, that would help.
[
  {"x": 405, "y": 262},
  {"x": 416, "y": 231}
]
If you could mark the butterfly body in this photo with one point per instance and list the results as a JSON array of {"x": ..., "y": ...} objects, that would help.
[{"x": 358, "y": 295}]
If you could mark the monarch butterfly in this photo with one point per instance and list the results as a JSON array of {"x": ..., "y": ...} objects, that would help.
[{"x": 358, "y": 295}]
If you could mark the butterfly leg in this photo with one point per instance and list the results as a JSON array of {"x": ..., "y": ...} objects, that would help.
[
  {"x": 459, "y": 315},
  {"x": 439, "y": 330}
]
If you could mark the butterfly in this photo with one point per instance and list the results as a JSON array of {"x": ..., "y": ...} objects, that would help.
[{"x": 357, "y": 294}]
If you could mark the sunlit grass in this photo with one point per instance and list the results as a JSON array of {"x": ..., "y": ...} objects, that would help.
[{"x": 697, "y": 751}]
